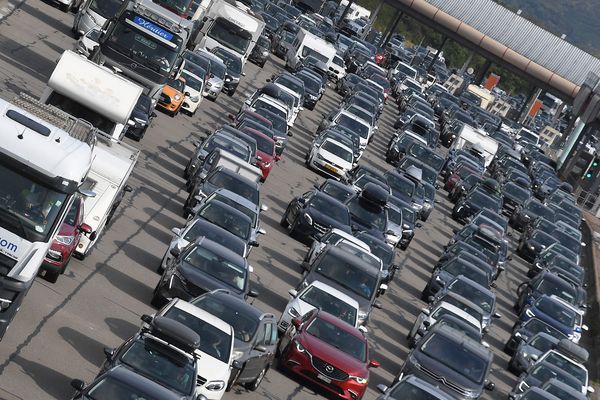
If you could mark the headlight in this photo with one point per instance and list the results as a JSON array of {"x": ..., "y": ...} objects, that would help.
[
  {"x": 532, "y": 248},
  {"x": 307, "y": 218},
  {"x": 227, "y": 79},
  {"x": 293, "y": 312},
  {"x": 65, "y": 239},
  {"x": 300, "y": 348},
  {"x": 405, "y": 226},
  {"x": 267, "y": 165},
  {"x": 236, "y": 355},
  {"x": 265, "y": 53},
  {"x": 361, "y": 381},
  {"x": 177, "y": 97},
  {"x": 215, "y": 385},
  {"x": 362, "y": 315}
]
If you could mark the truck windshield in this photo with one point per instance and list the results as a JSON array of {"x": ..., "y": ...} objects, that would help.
[
  {"x": 146, "y": 44},
  {"x": 106, "y": 8},
  {"x": 230, "y": 35},
  {"x": 28, "y": 209}
]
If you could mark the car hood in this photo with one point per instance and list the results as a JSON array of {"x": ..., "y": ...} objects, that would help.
[
  {"x": 324, "y": 219},
  {"x": 212, "y": 368},
  {"x": 334, "y": 159},
  {"x": 67, "y": 230},
  {"x": 332, "y": 355},
  {"x": 205, "y": 281},
  {"x": 265, "y": 156},
  {"x": 552, "y": 322}
]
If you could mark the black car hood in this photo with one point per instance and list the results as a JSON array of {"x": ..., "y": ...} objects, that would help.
[
  {"x": 324, "y": 219},
  {"x": 205, "y": 281}
]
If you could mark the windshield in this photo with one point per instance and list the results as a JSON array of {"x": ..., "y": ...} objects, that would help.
[
  {"x": 330, "y": 208},
  {"x": 229, "y": 182},
  {"x": 542, "y": 238},
  {"x": 230, "y": 35},
  {"x": 556, "y": 311},
  {"x": 338, "y": 151},
  {"x": 161, "y": 364},
  {"x": 218, "y": 267},
  {"x": 220, "y": 141},
  {"x": 265, "y": 144},
  {"x": 544, "y": 373},
  {"x": 106, "y": 8},
  {"x": 555, "y": 286},
  {"x": 483, "y": 201},
  {"x": 353, "y": 125},
  {"x": 260, "y": 103},
  {"x": 130, "y": 39},
  {"x": 395, "y": 215},
  {"x": 483, "y": 299},
  {"x": 338, "y": 338},
  {"x": 569, "y": 367},
  {"x": 225, "y": 218},
  {"x": 400, "y": 185},
  {"x": 348, "y": 275},
  {"x": 337, "y": 191},
  {"x": 426, "y": 155},
  {"x": 542, "y": 343},
  {"x": 374, "y": 217},
  {"x": 459, "y": 267},
  {"x": 308, "y": 52},
  {"x": 111, "y": 389},
  {"x": 232, "y": 203},
  {"x": 279, "y": 122},
  {"x": 244, "y": 323},
  {"x": 310, "y": 83},
  {"x": 293, "y": 85},
  {"x": 27, "y": 208},
  {"x": 192, "y": 81},
  {"x": 231, "y": 61},
  {"x": 517, "y": 192},
  {"x": 456, "y": 357},
  {"x": 329, "y": 303},
  {"x": 213, "y": 341},
  {"x": 225, "y": 239},
  {"x": 379, "y": 248},
  {"x": 361, "y": 253}
]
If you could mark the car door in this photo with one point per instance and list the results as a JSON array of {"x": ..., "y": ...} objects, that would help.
[
  {"x": 258, "y": 355},
  {"x": 298, "y": 205}
]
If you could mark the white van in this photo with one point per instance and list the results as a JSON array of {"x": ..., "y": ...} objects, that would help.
[{"x": 306, "y": 44}]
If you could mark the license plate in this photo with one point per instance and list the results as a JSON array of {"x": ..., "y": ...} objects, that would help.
[
  {"x": 331, "y": 168},
  {"x": 323, "y": 378}
]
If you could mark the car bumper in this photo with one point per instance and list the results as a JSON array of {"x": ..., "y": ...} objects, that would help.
[
  {"x": 328, "y": 169},
  {"x": 191, "y": 106},
  {"x": 301, "y": 365},
  {"x": 170, "y": 107},
  {"x": 315, "y": 231},
  {"x": 56, "y": 258}
]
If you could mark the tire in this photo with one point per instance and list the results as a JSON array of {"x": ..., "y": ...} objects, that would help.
[
  {"x": 252, "y": 386},
  {"x": 156, "y": 300},
  {"x": 64, "y": 7},
  {"x": 292, "y": 227},
  {"x": 52, "y": 276},
  {"x": 283, "y": 221}
]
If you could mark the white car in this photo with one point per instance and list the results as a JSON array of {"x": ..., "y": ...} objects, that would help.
[
  {"x": 406, "y": 83},
  {"x": 351, "y": 122},
  {"x": 337, "y": 69},
  {"x": 579, "y": 313},
  {"x": 87, "y": 42},
  {"x": 567, "y": 363},
  {"x": 331, "y": 157},
  {"x": 332, "y": 237},
  {"x": 297, "y": 103},
  {"x": 216, "y": 346},
  {"x": 322, "y": 296},
  {"x": 269, "y": 103},
  {"x": 194, "y": 85}
]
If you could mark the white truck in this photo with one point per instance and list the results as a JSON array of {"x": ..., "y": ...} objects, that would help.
[
  {"x": 228, "y": 26},
  {"x": 476, "y": 140},
  {"x": 307, "y": 44},
  {"x": 93, "y": 93},
  {"x": 96, "y": 94},
  {"x": 45, "y": 155}
]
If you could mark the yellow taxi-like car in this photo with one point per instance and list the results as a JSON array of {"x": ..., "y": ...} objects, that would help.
[{"x": 172, "y": 96}]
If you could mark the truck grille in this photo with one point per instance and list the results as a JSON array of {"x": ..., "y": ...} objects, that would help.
[
  {"x": 328, "y": 370},
  {"x": 6, "y": 264}
]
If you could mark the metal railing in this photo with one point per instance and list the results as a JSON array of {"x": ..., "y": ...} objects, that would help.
[{"x": 589, "y": 201}]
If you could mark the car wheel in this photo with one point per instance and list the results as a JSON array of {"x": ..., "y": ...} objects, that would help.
[
  {"x": 284, "y": 221},
  {"x": 156, "y": 301},
  {"x": 425, "y": 217},
  {"x": 64, "y": 7},
  {"x": 252, "y": 386},
  {"x": 292, "y": 227}
]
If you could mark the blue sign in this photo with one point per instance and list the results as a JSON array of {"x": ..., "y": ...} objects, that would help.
[{"x": 149, "y": 26}]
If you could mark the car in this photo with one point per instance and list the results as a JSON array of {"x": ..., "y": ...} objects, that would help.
[
  {"x": 216, "y": 76},
  {"x": 163, "y": 352},
  {"x": 88, "y": 41},
  {"x": 445, "y": 356},
  {"x": 172, "y": 96},
  {"x": 319, "y": 295},
  {"x": 202, "y": 266},
  {"x": 523, "y": 331},
  {"x": 490, "y": 218},
  {"x": 65, "y": 242},
  {"x": 548, "y": 283},
  {"x": 336, "y": 189},
  {"x": 141, "y": 118},
  {"x": 557, "y": 263},
  {"x": 459, "y": 265},
  {"x": 265, "y": 152},
  {"x": 382, "y": 250},
  {"x": 409, "y": 222},
  {"x": 368, "y": 212},
  {"x": 328, "y": 352},
  {"x": 430, "y": 315},
  {"x": 216, "y": 345},
  {"x": 313, "y": 214},
  {"x": 557, "y": 313},
  {"x": 234, "y": 72},
  {"x": 333, "y": 237},
  {"x": 532, "y": 243},
  {"x": 534, "y": 346},
  {"x": 412, "y": 387},
  {"x": 255, "y": 335},
  {"x": 529, "y": 211},
  {"x": 562, "y": 390},
  {"x": 123, "y": 381},
  {"x": 570, "y": 358},
  {"x": 195, "y": 228},
  {"x": 312, "y": 87},
  {"x": 337, "y": 70},
  {"x": 466, "y": 207},
  {"x": 538, "y": 374},
  {"x": 332, "y": 157},
  {"x": 351, "y": 122},
  {"x": 349, "y": 273}
]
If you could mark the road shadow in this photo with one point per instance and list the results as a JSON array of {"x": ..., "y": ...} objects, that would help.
[
  {"x": 50, "y": 381},
  {"x": 88, "y": 348},
  {"x": 120, "y": 327}
]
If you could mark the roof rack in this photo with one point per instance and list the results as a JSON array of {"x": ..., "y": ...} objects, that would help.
[{"x": 77, "y": 128}]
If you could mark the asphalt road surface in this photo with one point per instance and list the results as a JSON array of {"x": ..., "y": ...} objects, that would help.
[{"x": 62, "y": 328}]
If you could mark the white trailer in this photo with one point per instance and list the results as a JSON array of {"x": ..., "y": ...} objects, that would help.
[
  {"x": 91, "y": 92},
  {"x": 226, "y": 25},
  {"x": 476, "y": 140},
  {"x": 307, "y": 44},
  {"x": 111, "y": 167}
]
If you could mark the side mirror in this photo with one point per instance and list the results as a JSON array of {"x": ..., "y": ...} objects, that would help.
[
  {"x": 425, "y": 311},
  {"x": 268, "y": 80},
  {"x": 534, "y": 357},
  {"x": 301, "y": 201},
  {"x": 153, "y": 115},
  {"x": 583, "y": 244},
  {"x": 296, "y": 323},
  {"x": 261, "y": 231},
  {"x": 260, "y": 348},
  {"x": 188, "y": 94},
  {"x": 584, "y": 327},
  {"x": 85, "y": 228},
  {"x": 175, "y": 252},
  {"x": 78, "y": 384},
  {"x": 426, "y": 324},
  {"x": 146, "y": 319},
  {"x": 231, "y": 117},
  {"x": 377, "y": 305},
  {"x": 253, "y": 243},
  {"x": 490, "y": 386},
  {"x": 264, "y": 208},
  {"x": 374, "y": 364},
  {"x": 93, "y": 236},
  {"x": 293, "y": 292},
  {"x": 176, "y": 231},
  {"x": 236, "y": 364},
  {"x": 277, "y": 158},
  {"x": 128, "y": 189},
  {"x": 430, "y": 299},
  {"x": 419, "y": 225},
  {"x": 109, "y": 353},
  {"x": 497, "y": 315},
  {"x": 252, "y": 293},
  {"x": 382, "y": 388},
  {"x": 243, "y": 74}
]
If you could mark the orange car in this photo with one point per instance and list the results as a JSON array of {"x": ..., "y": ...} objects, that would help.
[{"x": 172, "y": 96}]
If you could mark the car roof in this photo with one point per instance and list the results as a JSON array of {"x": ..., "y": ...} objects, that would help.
[
  {"x": 238, "y": 177},
  {"x": 223, "y": 251},
  {"x": 233, "y": 302},
  {"x": 565, "y": 388},
  {"x": 237, "y": 198},
  {"x": 428, "y": 387},
  {"x": 340, "y": 324},
  {"x": 457, "y": 311},
  {"x": 138, "y": 381},
  {"x": 352, "y": 259},
  {"x": 336, "y": 293},
  {"x": 204, "y": 316}
]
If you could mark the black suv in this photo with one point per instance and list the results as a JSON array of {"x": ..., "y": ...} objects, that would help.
[{"x": 255, "y": 335}]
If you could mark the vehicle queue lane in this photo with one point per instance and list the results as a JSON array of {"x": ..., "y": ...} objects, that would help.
[{"x": 61, "y": 329}]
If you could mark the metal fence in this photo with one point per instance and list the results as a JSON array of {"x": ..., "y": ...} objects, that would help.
[{"x": 589, "y": 201}]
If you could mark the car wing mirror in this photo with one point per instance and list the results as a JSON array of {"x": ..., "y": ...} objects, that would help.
[
  {"x": 175, "y": 251},
  {"x": 85, "y": 228},
  {"x": 78, "y": 384},
  {"x": 252, "y": 293},
  {"x": 382, "y": 388},
  {"x": 176, "y": 231},
  {"x": 236, "y": 364},
  {"x": 109, "y": 353},
  {"x": 293, "y": 292},
  {"x": 377, "y": 305}
]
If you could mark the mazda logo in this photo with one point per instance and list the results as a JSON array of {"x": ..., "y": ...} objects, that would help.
[{"x": 329, "y": 368}]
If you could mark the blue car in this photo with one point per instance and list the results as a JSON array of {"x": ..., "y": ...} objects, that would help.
[{"x": 555, "y": 313}]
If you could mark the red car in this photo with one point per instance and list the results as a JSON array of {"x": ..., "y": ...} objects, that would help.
[
  {"x": 328, "y": 352},
  {"x": 265, "y": 151},
  {"x": 461, "y": 171},
  {"x": 65, "y": 242}
]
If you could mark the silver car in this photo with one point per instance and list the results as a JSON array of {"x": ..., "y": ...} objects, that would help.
[{"x": 216, "y": 76}]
